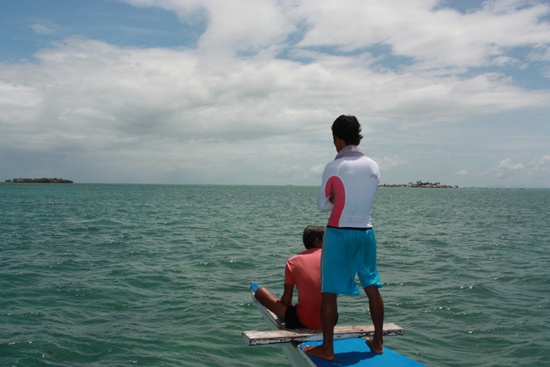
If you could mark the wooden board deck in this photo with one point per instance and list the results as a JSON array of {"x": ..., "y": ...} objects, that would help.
[{"x": 302, "y": 335}]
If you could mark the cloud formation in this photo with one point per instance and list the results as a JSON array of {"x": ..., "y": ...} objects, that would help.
[
  {"x": 539, "y": 167},
  {"x": 252, "y": 100}
]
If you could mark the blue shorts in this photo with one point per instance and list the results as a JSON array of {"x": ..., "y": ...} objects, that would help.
[{"x": 347, "y": 252}]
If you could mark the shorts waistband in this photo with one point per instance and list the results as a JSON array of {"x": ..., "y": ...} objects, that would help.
[{"x": 352, "y": 228}]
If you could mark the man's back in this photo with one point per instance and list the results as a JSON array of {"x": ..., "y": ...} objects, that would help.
[
  {"x": 304, "y": 270},
  {"x": 351, "y": 180}
]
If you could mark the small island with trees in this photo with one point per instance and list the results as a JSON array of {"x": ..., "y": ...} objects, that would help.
[
  {"x": 38, "y": 180},
  {"x": 430, "y": 185}
]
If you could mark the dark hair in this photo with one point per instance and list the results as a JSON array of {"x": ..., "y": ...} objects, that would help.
[
  {"x": 347, "y": 128},
  {"x": 311, "y": 233}
]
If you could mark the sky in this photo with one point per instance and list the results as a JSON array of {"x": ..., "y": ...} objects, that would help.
[{"x": 244, "y": 92}]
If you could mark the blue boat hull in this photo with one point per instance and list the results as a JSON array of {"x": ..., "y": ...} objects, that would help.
[{"x": 355, "y": 352}]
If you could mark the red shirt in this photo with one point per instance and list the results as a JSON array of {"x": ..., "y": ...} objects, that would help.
[{"x": 304, "y": 271}]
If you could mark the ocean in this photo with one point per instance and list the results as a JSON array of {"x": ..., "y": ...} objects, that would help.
[{"x": 158, "y": 275}]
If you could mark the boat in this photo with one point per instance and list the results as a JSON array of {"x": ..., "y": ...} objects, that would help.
[{"x": 350, "y": 348}]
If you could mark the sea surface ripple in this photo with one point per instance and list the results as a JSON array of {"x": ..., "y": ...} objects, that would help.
[{"x": 158, "y": 275}]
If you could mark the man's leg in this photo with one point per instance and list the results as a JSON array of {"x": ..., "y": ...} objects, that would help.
[
  {"x": 329, "y": 314},
  {"x": 271, "y": 302},
  {"x": 376, "y": 305}
]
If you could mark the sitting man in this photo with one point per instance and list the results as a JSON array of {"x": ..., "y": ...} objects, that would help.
[{"x": 304, "y": 271}]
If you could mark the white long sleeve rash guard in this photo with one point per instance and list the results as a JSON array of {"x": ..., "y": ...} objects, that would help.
[{"x": 351, "y": 179}]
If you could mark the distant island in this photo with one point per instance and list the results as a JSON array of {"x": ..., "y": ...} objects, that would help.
[
  {"x": 39, "y": 180},
  {"x": 429, "y": 185}
]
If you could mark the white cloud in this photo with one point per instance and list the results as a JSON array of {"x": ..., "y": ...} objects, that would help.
[
  {"x": 507, "y": 167},
  {"x": 390, "y": 162},
  {"x": 443, "y": 39},
  {"x": 534, "y": 169},
  {"x": 242, "y": 26},
  {"x": 235, "y": 102},
  {"x": 540, "y": 167},
  {"x": 42, "y": 29}
]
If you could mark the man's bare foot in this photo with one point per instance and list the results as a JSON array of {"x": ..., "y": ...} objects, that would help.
[
  {"x": 376, "y": 348},
  {"x": 320, "y": 352}
]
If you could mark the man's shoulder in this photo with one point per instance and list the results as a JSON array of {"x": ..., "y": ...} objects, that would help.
[
  {"x": 354, "y": 161},
  {"x": 306, "y": 253},
  {"x": 371, "y": 161}
]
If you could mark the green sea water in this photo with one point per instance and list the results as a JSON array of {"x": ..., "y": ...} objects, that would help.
[{"x": 157, "y": 275}]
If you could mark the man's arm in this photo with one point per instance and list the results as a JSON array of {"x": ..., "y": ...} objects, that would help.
[
  {"x": 325, "y": 199},
  {"x": 286, "y": 298}
]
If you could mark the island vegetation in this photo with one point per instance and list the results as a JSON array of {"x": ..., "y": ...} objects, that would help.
[
  {"x": 430, "y": 185},
  {"x": 38, "y": 180}
]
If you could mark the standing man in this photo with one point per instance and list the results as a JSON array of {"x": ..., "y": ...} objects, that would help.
[{"x": 349, "y": 247}]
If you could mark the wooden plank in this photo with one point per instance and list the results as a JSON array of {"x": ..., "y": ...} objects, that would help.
[{"x": 302, "y": 335}]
